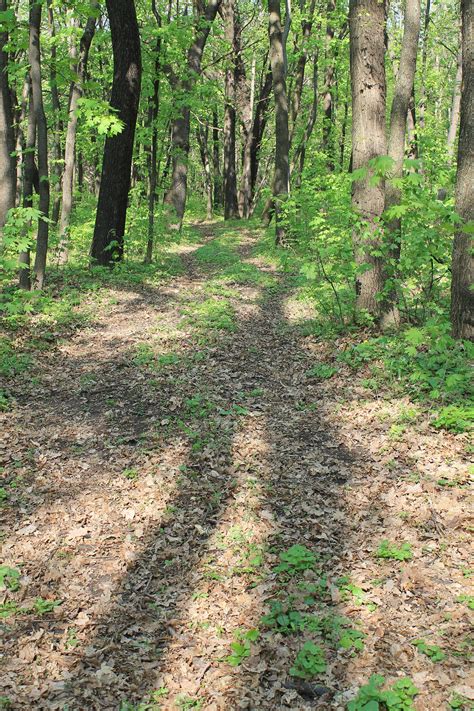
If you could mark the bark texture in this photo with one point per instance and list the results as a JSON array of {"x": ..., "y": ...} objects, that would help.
[
  {"x": 7, "y": 137},
  {"x": 367, "y": 53},
  {"x": 42, "y": 234},
  {"x": 115, "y": 180},
  {"x": 231, "y": 209},
  {"x": 282, "y": 144},
  {"x": 462, "y": 295}
]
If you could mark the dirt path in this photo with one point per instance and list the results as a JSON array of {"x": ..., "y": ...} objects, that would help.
[{"x": 166, "y": 457}]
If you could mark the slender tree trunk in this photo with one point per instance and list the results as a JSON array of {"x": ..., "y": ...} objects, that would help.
[
  {"x": 424, "y": 58},
  {"x": 231, "y": 209},
  {"x": 455, "y": 110},
  {"x": 176, "y": 194},
  {"x": 278, "y": 64},
  {"x": 202, "y": 135},
  {"x": 153, "y": 108},
  {"x": 29, "y": 169},
  {"x": 398, "y": 116},
  {"x": 7, "y": 136},
  {"x": 306, "y": 27},
  {"x": 299, "y": 157},
  {"x": 20, "y": 142},
  {"x": 216, "y": 160},
  {"x": 39, "y": 268},
  {"x": 342, "y": 145},
  {"x": 462, "y": 296},
  {"x": 258, "y": 129},
  {"x": 329, "y": 81},
  {"x": 57, "y": 167},
  {"x": 108, "y": 241},
  {"x": 245, "y": 101},
  {"x": 367, "y": 54},
  {"x": 75, "y": 93}
]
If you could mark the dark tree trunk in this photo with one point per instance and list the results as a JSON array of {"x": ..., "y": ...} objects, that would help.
[
  {"x": 245, "y": 101},
  {"x": 424, "y": 57},
  {"x": 42, "y": 130},
  {"x": 462, "y": 296},
  {"x": 258, "y": 129},
  {"x": 108, "y": 241},
  {"x": 455, "y": 110},
  {"x": 7, "y": 136},
  {"x": 306, "y": 27},
  {"x": 231, "y": 209},
  {"x": 399, "y": 113},
  {"x": 367, "y": 54},
  {"x": 217, "y": 198},
  {"x": 176, "y": 194},
  {"x": 282, "y": 168},
  {"x": 75, "y": 93}
]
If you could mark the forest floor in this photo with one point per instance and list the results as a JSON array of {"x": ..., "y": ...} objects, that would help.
[{"x": 188, "y": 461}]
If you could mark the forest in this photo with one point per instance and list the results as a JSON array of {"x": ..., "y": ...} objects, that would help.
[{"x": 236, "y": 346}]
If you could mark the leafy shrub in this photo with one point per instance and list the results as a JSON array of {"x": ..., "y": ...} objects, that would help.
[
  {"x": 399, "y": 697},
  {"x": 392, "y": 552},
  {"x": 309, "y": 661},
  {"x": 295, "y": 560}
]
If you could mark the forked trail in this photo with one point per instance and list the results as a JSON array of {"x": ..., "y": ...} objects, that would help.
[{"x": 166, "y": 458}]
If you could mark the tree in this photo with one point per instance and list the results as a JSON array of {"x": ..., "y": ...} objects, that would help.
[
  {"x": 399, "y": 113},
  {"x": 231, "y": 209},
  {"x": 176, "y": 195},
  {"x": 42, "y": 234},
  {"x": 7, "y": 136},
  {"x": 367, "y": 63},
  {"x": 108, "y": 240},
  {"x": 282, "y": 143},
  {"x": 462, "y": 295},
  {"x": 75, "y": 93}
]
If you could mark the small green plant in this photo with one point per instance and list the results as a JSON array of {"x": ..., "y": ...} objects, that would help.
[
  {"x": 468, "y": 599},
  {"x": 130, "y": 474},
  {"x": 455, "y": 418},
  {"x": 9, "y": 578},
  {"x": 433, "y": 651},
  {"x": 241, "y": 647},
  {"x": 399, "y": 697},
  {"x": 392, "y": 552},
  {"x": 460, "y": 703},
  {"x": 309, "y": 661},
  {"x": 283, "y": 619},
  {"x": 322, "y": 371},
  {"x": 295, "y": 560},
  {"x": 184, "y": 702},
  {"x": 44, "y": 607}
]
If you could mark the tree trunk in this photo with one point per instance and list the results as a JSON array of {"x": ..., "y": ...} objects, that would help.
[
  {"x": 176, "y": 194},
  {"x": 245, "y": 102},
  {"x": 424, "y": 58},
  {"x": 57, "y": 167},
  {"x": 108, "y": 240},
  {"x": 29, "y": 169},
  {"x": 299, "y": 157},
  {"x": 231, "y": 209},
  {"x": 216, "y": 160},
  {"x": 455, "y": 110},
  {"x": 7, "y": 137},
  {"x": 462, "y": 296},
  {"x": 202, "y": 135},
  {"x": 367, "y": 53},
  {"x": 258, "y": 129},
  {"x": 39, "y": 268},
  {"x": 398, "y": 116},
  {"x": 75, "y": 94},
  {"x": 306, "y": 27},
  {"x": 282, "y": 172},
  {"x": 329, "y": 80},
  {"x": 153, "y": 108}
]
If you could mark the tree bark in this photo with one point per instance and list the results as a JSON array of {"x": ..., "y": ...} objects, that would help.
[
  {"x": 278, "y": 65},
  {"x": 299, "y": 157},
  {"x": 29, "y": 169},
  {"x": 57, "y": 167},
  {"x": 108, "y": 240},
  {"x": 175, "y": 197},
  {"x": 455, "y": 109},
  {"x": 399, "y": 113},
  {"x": 153, "y": 108},
  {"x": 217, "y": 194},
  {"x": 231, "y": 209},
  {"x": 306, "y": 27},
  {"x": 329, "y": 80},
  {"x": 258, "y": 129},
  {"x": 202, "y": 135},
  {"x": 367, "y": 54},
  {"x": 462, "y": 296},
  {"x": 42, "y": 234},
  {"x": 75, "y": 93},
  {"x": 7, "y": 136}
]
